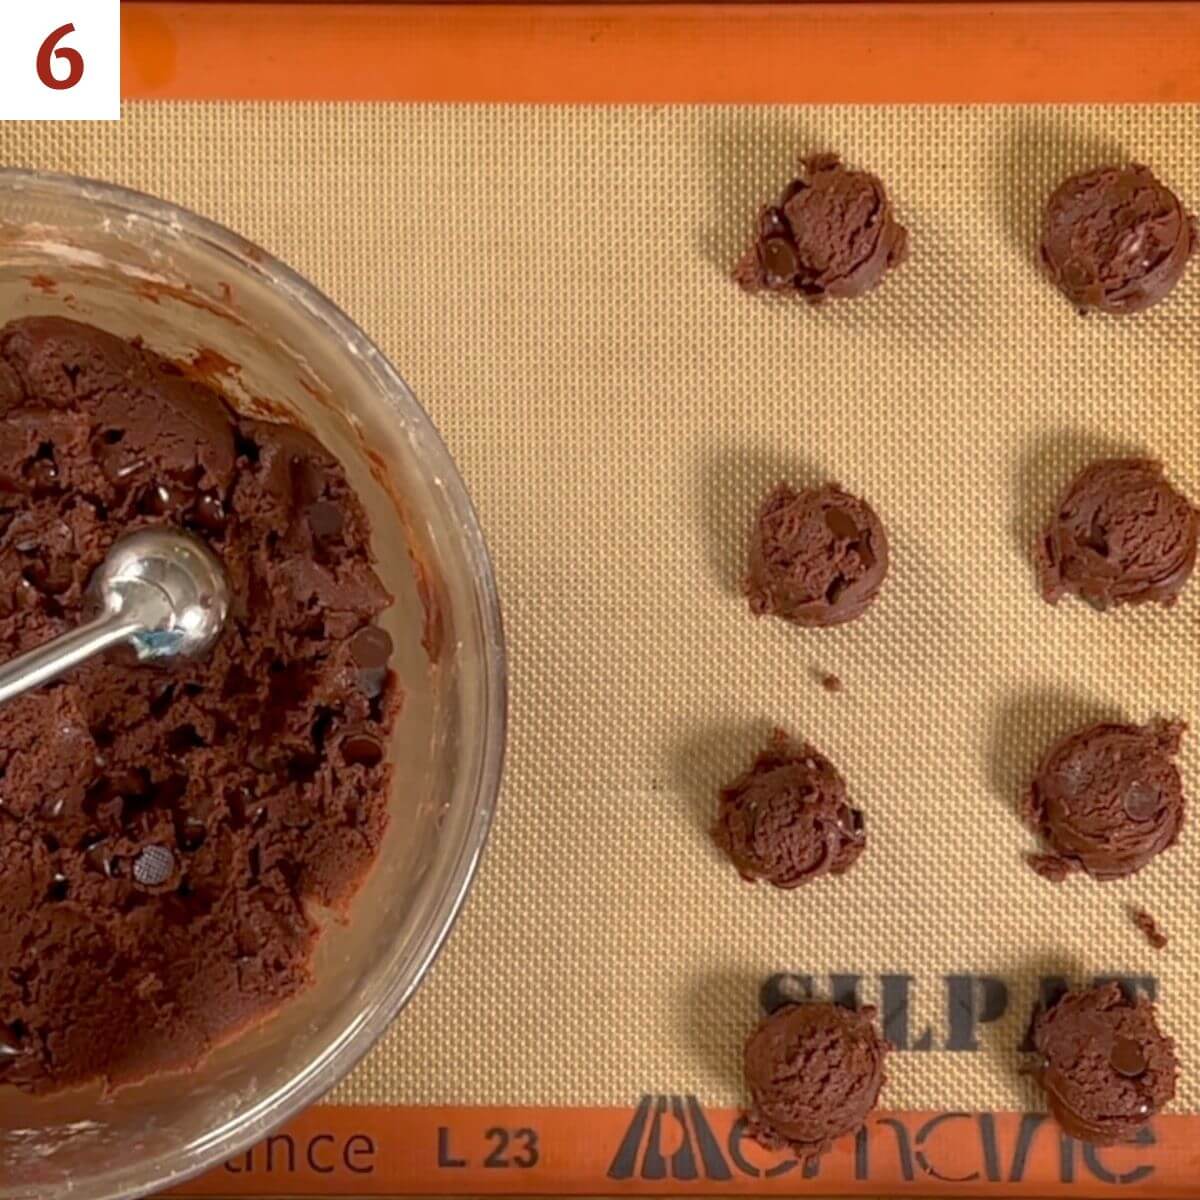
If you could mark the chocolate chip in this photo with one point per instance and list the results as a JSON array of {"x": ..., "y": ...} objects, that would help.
[
  {"x": 118, "y": 462},
  {"x": 159, "y": 500},
  {"x": 153, "y": 866},
  {"x": 10, "y": 1044},
  {"x": 98, "y": 859},
  {"x": 53, "y": 807},
  {"x": 325, "y": 520},
  {"x": 371, "y": 647},
  {"x": 192, "y": 834},
  {"x": 850, "y": 820},
  {"x": 245, "y": 809},
  {"x": 53, "y": 579},
  {"x": 59, "y": 886},
  {"x": 1127, "y": 1057},
  {"x": 779, "y": 261},
  {"x": 43, "y": 474},
  {"x": 303, "y": 767},
  {"x": 1141, "y": 801},
  {"x": 773, "y": 224},
  {"x": 841, "y": 524},
  {"x": 209, "y": 512},
  {"x": 362, "y": 749}
]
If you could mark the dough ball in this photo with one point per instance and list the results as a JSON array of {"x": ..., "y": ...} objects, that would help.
[
  {"x": 832, "y": 234},
  {"x": 1115, "y": 239},
  {"x": 1120, "y": 535},
  {"x": 817, "y": 557},
  {"x": 1105, "y": 1065},
  {"x": 787, "y": 820},
  {"x": 814, "y": 1072},
  {"x": 1107, "y": 799}
]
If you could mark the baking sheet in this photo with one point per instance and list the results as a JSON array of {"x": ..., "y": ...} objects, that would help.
[{"x": 553, "y": 282}]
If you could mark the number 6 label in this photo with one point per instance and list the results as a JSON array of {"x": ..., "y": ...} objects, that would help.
[
  {"x": 74, "y": 60},
  {"x": 61, "y": 60}
]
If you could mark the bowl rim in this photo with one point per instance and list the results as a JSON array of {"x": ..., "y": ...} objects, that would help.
[{"x": 354, "y": 1042}]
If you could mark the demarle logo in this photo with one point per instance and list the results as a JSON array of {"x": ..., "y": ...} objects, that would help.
[{"x": 950, "y": 1147}]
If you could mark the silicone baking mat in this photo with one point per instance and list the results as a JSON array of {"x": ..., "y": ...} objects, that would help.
[{"x": 554, "y": 283}]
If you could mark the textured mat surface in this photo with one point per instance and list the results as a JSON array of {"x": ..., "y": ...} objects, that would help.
[{"x": 553, "y": 283}]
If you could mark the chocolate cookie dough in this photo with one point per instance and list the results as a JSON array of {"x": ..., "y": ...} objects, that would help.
[
  {"x": 788, "y": 820},
  {"x": 1120, "y": 535},
  {"x": 831, "y": 234},
  {"x": 1115, "y": 239},
  {"x": 814, "y": 1072},
  {"x": 1107, "y": 799},
  {"x": 164, "y": 831},
  {"x": 817, "y": 557},
  {"x": 1105, "y": 1065}
]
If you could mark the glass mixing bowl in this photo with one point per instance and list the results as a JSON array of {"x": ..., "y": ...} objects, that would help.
[{"x": 138, "y": 266}]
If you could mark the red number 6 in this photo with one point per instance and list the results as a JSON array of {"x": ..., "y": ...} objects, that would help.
[{"x": 73, "y": 59}]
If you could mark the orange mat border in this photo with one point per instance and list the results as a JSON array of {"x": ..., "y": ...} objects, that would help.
[
  {"x": 1049, "y": 51},
  {"x": 670, "y": 1145}
]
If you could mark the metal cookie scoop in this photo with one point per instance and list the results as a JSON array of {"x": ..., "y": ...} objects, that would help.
[{"x": 161, "y": 591}]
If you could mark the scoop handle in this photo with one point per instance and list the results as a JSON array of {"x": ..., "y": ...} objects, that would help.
[{"x": 59, "y": 655}]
